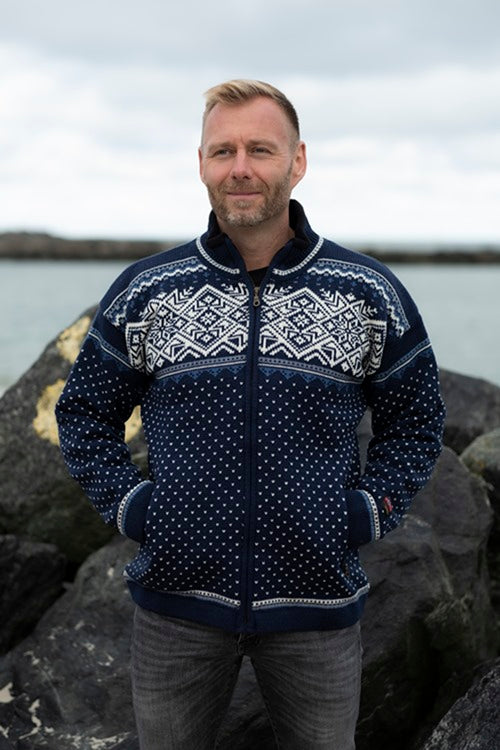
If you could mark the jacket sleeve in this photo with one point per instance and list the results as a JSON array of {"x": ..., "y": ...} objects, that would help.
[
  {"x": 99, "y": 396},
  {"x": 407, "y": 422}
]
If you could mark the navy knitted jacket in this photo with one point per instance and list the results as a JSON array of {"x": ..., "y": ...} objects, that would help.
[{"x": 255, "y": 505}]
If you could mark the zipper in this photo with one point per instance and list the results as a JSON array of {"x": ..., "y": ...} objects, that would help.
[{"x": 251, "y": 434}]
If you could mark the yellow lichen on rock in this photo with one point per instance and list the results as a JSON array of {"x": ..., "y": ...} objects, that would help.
[
  {"x": 133, "y": 424},
  {"x": 70, "y": 340},
  {"x": 45, "y": 424}
]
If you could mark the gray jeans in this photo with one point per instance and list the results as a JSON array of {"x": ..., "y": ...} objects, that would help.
[{"x": 183, "y": 676}]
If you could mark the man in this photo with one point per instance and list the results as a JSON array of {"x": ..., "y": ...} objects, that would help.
[{"x": 254, "y": 352}]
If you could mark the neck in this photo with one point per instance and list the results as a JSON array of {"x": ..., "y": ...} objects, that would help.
[{"x": 258, "y": 245}]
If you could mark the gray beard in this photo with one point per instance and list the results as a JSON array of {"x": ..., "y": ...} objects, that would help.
[{"x": 274, "y": 204}]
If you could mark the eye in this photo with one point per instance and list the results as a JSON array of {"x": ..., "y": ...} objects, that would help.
[
  {"x": 221, "y": 152},
  {"x": 260, "y": 150}
]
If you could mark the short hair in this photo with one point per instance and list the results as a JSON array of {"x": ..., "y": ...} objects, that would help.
[{"x": 241, "y": 90}]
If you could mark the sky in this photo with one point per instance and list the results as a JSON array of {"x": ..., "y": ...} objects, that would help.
[{"x": 399, "y": 104}]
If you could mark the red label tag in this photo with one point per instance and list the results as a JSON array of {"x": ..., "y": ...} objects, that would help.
[{"x": 387, "y": 505}]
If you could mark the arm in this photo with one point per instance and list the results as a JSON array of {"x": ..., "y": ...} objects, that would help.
[
  {"x": 100, "y": 394},
  {"x": 407, "y": 421}
]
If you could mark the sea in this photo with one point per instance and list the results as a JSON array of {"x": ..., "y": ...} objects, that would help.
[{"x": 460, "y": 305}]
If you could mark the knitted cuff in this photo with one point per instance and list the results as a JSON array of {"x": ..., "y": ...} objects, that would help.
[
  {"x": 363, "y": 518},
  {"x": 132, "y": 511}
]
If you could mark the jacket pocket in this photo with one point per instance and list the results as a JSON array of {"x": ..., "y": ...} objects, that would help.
[
  {"x": 131, "y": 518},
  {"x": 360, "y": 519}
]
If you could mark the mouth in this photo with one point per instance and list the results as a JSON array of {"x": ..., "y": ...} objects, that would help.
[{"x": 232, "y": 194}]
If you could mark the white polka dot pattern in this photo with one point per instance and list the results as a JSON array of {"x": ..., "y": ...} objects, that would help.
[{"x": 196, "y": 514}]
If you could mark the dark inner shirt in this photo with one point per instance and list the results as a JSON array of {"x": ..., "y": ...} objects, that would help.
[{"x": 257, "y": 275}]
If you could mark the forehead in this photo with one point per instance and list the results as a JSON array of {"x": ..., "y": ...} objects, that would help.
[{"x": 260, "y": 117}]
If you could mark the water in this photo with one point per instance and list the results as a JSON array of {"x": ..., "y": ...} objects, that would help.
[
  {"x": 460, "y": 306},
  {"x": 40, "y": 298}
]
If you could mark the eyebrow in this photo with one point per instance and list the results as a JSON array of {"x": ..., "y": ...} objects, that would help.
[{"x": 250, "y": 143}]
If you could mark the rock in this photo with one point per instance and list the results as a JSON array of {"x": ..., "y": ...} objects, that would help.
[
  {"x": 482, "y": 457},
  {"x": 456, "y": 506},
  {"x": 67, "y": 684},
  {"x": 428, "y": 618},
  {"x": 473, "y": 723},
  {"x": 38, "y": 498},
  {"x": 473, "y": 408},
  {"x": 399, "y": 684},
  {"x": 31, "y": 579},
  {"x": 364, "y": 434}
]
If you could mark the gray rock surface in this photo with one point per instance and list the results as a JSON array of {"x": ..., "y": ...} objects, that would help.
[
  {"x": 472, "y": 406},
  {"x": 473, "y": 723},
  {"x": 482, "y": 457},
  {"x": 31, "y": 579},
  {"x": 67, "y": 685},
  {"x": 456, "y": 506},
  {"x": 429, "y": 618}
]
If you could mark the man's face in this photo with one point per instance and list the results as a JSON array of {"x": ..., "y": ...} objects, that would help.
[{"x": 250, "y": 160}]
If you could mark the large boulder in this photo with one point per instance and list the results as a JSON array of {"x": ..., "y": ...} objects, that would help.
[
  {"x": 67, "y": 685},
  {"x": 472, "y": 408},
  {"x": 455, "y": 504},
  {"x": 428, "y": 618},
  {"x": 482, "y": 457},
  {"x": 38, "y": 498},
  {"x": 427, "y": 622},
  {"x": 473, "y": 723},
  {"x": 31, "y": 579}
]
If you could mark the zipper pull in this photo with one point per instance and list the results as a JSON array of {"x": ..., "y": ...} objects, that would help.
[{"x": 256, "y": 300}]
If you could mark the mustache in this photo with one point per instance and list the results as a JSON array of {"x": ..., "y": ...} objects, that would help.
[{"x": 243, "y": 185}]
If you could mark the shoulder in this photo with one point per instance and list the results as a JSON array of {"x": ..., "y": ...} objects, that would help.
[
  {"x": 344, "y": 260},
  {"x": 166, "y": 262},
  {"x": 143, "y": 278},
  {"x": 367, "y": 278}
]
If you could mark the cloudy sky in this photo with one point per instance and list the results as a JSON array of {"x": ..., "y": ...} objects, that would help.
[{"x": 100, "y": 106}]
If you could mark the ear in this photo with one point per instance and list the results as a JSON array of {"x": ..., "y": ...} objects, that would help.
[
  {"x": 201, "y": 166},
  {"x": 299, "y": 163}
]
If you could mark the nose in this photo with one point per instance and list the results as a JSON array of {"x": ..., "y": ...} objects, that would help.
[{"x": 241, "y": 166}]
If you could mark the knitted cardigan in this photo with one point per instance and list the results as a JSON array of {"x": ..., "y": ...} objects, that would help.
[{"x": 255, "y": 505}]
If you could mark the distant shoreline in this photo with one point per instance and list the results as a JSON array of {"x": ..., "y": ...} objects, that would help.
[{"x": 37, "y": 246}]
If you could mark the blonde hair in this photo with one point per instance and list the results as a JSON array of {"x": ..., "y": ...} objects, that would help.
[{"x": 241, "y": 90}]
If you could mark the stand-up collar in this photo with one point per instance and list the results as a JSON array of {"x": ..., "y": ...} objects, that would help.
[{"x": 219, "y": 250}]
